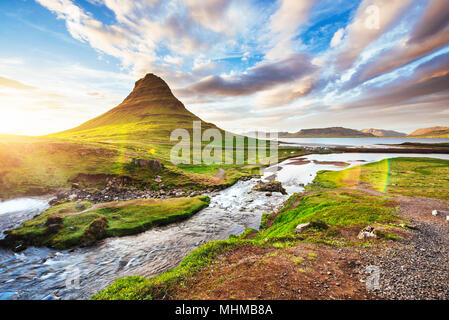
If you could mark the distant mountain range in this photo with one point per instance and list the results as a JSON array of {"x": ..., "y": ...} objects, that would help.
[
  {"x": 327, "y": 133},
  {"x": 384, "y": 133},
  {"x": 340, "y": 132}
]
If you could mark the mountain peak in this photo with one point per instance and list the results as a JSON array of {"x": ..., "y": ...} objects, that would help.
[{"x": 150, "y": 85}]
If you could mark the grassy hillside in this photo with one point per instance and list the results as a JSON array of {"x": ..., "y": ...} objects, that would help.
[{"x": 432, "y": 132}]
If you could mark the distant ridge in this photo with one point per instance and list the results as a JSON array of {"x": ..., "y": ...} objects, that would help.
[
  {"x": 432, "y": 131},
  {"x": 384, "y": 133},
  {"x": 333, "y": 132},
  {"x": 149, "y": 112}
]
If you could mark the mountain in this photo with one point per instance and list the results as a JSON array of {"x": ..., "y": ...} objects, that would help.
[
  {"x": 334, "y": 132},
  {"x": 150, "y": 112},
  {"x": 384, "y": 133},
  {"x": 431, "y": 132}
]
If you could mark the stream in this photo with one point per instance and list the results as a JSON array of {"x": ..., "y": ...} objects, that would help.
[{"x": 42, "y": 273}]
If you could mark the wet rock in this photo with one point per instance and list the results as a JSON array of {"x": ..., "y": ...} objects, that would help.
[
  {"x": 272, "y": 186},
  {"x": 19, "y": 247},
  {"x": 367, "y": 233}
]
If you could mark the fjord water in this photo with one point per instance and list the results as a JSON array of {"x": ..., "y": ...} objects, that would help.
[
  {"x": 41, "y": 273},
  {"x": 359, "y": 142}
]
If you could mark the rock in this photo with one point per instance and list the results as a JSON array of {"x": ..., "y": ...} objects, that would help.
[
  {"x": 268, "y": 194},
  {"x": 301, "y": 227},
  {"x": 72, "y": 197},
  {"x": 436, "y": 213},
  {"x": 75, "y": 186},
  {"x": 367, "y": 233},
  {"x": 158, "y": 179},
  {"x": 19, "y": 247},
  {"x": 53, "y": 228},
  {"x": 95, "y": 231},
  {"x": 154, "y": 164},
  {"x": 73, "y": 228},
  {"x": 53, "y": 219},
  {"x": 272, "y": 186}
]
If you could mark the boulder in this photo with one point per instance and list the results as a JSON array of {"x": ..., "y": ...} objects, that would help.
[
  {"x": 271, "y": 186},
  {"x": 301, "y": 227},
  {"x": 153, "y": 164},
  {"x": 54, "y": 219},
  {"x": 367, "y": 233},
  {"x": 95, "y": 231}
]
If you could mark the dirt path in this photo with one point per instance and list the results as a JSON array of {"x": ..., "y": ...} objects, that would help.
[
  {"x": 300, "y": 273},
  {"x": 220, "y": 174},
  {"x": 420, "y": 268}
]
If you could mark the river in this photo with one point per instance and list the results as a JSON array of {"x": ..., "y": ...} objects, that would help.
[{"x": 42, "y": 273}]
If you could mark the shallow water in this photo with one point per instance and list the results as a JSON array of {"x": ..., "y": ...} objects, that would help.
[{"x": 40, "y": 273}]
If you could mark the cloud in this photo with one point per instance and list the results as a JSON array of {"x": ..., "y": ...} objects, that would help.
[
  {"x": 5, "y": 82},
  {"x": 429, "y": 83},
  {"x": 418, "y": 44},
  {"x": 372, "y": 19},
  {"x": 337, "y": 38},
  {"x": 284, "y": 24},
  {"x": 261, "y": 77}
]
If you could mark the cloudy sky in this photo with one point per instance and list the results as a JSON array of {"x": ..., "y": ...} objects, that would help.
[{"x": 242, "y": 64}]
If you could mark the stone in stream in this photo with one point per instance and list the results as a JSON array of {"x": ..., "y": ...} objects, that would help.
[{"x": 272, "y": 186}]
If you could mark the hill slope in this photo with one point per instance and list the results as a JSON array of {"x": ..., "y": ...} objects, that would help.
[
  {"x": 328, "y": 133},
  {"x": 150, "y": 112},
  {"x": 430, "y": 132},
  {"x": 384, "y": 133}
]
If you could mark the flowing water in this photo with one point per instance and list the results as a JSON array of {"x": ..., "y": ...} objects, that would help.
[{"x": 41, "y": 273}]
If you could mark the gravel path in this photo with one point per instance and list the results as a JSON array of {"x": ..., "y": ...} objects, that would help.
[{"x": 419, "y": 269}]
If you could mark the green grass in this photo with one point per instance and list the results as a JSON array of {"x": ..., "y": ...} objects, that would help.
[
  {"x": 335, "y": 208},
  {"x": 422, "y": 177},
  {"x": 123, "y": 218}
]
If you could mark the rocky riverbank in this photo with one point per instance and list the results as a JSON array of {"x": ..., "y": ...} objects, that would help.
[{"x": 116, "y": 189}]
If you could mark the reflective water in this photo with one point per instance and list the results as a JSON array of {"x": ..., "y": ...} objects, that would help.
[{"x": 358, "y": 142}]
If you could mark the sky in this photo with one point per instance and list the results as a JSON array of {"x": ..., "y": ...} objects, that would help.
[{"x": 244, "y": 65}]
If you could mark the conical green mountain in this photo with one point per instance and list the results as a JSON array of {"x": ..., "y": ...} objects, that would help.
[{"x": 150, "y": 112}]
